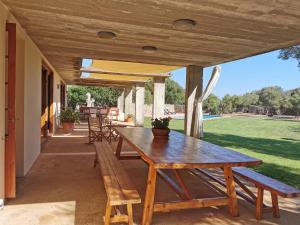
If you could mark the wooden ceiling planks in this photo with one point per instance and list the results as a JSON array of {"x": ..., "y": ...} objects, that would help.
[{"x": 66, "y": 31}]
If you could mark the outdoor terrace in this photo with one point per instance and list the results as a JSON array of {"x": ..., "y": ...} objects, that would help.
[{"x": 63, "y": 188}]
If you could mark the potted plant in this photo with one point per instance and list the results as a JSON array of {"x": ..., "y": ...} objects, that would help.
[
  {"x": 129, "y": 118},
  {"x": 68, "y": 117},
  {"x": 160, "y": 127}
]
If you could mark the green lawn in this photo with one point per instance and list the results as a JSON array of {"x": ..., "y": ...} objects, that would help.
[{"x": 276, "y": 142}]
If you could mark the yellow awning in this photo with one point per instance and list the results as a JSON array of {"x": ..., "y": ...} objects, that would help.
[
  {"x": 129, "y": 67},
  {"x": 113, "y": 77}
]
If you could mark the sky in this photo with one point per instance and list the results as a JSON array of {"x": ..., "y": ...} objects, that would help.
[{"x": 253, "y": 73}]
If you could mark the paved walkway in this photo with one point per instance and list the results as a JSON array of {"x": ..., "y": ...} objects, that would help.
[{"x": 63, "y": 188}]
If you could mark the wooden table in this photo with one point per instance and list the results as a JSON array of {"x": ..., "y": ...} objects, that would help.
[{"x": 182, "y": 152}]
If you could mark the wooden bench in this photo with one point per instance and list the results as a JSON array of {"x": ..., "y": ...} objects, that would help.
[
  {"x": 262, "y": 183},
  {"x": 118, "y": 186}
]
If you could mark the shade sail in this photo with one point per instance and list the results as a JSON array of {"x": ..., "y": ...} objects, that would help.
[
  {"x": 125, "y": 71},
  {"x": 117, "y": 77},
  {"x": 130, "y": 67}
]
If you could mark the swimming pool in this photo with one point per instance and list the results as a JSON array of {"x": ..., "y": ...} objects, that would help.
[{"x": 205, "y": 117}]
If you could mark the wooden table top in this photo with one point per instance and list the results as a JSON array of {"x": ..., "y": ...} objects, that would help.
[{"x": 181, "y": 151}]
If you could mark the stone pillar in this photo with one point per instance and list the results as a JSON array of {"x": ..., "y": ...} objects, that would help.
[
  {"x": 128, "y": 101},
  {"x": 139, "y": 104},
  {"x": 159, "y": 89},
  {"x": 193, "y": 91},
  {"x": 121, "y": 105}
]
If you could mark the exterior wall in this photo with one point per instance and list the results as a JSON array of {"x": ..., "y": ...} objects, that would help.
[
  {"x": 28, "y": 98},
  {"x": 20, "y": 74},
  {"x": 32, "y": 104},
  {"x": 3, "y": 16}
]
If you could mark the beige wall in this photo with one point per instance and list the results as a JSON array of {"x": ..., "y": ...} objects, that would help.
[
  {"x": 20, "y": 74},
  {"x": 28, "y": 98},
  {"x": 3, "y": 15},
  {"x": 32, "y": 104}
]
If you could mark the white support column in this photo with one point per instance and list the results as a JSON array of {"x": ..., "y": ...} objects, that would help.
[
  {"x": 193, "y": 91},
  {"x": 139, "y": 104},
  {"x": 121, "y": 105},
  {"x": 128, "y": 101},
  {"x": 159, "y": 89}
]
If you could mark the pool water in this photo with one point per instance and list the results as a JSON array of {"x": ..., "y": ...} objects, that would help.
[{"x": 205, "y": 117}]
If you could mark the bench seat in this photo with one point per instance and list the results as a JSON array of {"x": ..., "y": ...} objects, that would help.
[
  {"x": 269, "y": 184},
  {"x": 262, "y": 183},
  {"x": 119, "y": 189}
]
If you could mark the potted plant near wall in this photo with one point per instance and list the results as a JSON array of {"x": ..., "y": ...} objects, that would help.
[
  {"x": 129, "y": 118},
  {"x": 68, "y": 118},
  {"x": 160, "y": 127}
]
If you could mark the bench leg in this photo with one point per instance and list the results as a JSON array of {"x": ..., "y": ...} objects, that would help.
[
  {"x": 275, "y": 205},
  {"x": 259, "y": 203},
  {"x": 130, "y": 214},
  {"x": 107, "y": 214}
]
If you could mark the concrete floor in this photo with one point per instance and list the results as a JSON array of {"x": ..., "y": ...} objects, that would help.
[{"x": 63, "y": 188}]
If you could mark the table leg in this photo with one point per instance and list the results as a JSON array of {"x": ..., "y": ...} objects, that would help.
[
  {"x": 149, "y": 198},
  {"x": 231, "y": 192},
  {"x": 119, "y": 147}
]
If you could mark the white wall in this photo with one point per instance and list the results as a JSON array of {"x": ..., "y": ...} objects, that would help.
[
  {"x": 20, "y": 75},
  {"x": 28, "y": 98},
  {"x": 3, "y": 16},
  {"x": 32, "y": 104}
]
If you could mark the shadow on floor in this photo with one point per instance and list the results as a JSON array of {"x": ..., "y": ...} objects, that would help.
[{"x": 63, "y": 186}]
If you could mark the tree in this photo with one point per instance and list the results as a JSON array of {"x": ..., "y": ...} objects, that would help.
[
  {"x": 212, "y": 104},
  {"x": 149, "y": 92},
  {"x": 248, "y": 100},
  {"x": 236, "y": 103},
  {"x": 174, "y": 92},
  {"x": 290, "y": 53},
  {"x": 295, "y": 101},
  {"x": 286, "y": 107},
  {"x": 102, "y": 95},
  {"x": 226, "y": 104},
  {"x": 271, "y": 97}
]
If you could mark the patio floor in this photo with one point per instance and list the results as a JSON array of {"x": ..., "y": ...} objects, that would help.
[{"x": 63, "y": 188}]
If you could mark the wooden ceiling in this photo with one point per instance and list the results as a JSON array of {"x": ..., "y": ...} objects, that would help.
[{"x": 66, "y": 31}]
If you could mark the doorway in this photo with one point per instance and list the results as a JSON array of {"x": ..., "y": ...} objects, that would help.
[{"x": 46, "y": 103}]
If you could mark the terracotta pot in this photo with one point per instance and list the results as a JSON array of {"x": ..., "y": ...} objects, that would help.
[
  {"x": 67, "y": 127},
  {"x": 129, "y": 120},
  {"x": 160, "y": 133}
]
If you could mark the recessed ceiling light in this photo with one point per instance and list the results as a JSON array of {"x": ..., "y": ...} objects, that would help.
[
  {"x": 106, "y": 34},
  {"x": 184, "y": 24},
  {"x": 149, "y": 49}
]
